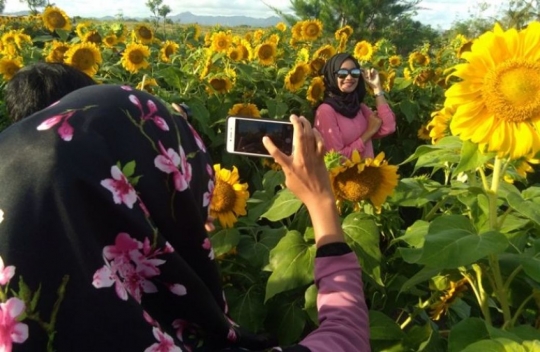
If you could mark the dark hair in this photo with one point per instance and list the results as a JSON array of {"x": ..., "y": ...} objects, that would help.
[{"x": 35, "y": 87}]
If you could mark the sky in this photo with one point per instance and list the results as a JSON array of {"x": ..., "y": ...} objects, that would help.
[{"x": 437, "y": 13}]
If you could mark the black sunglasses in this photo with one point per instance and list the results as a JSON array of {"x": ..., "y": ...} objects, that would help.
[{"x": 342, "y": 73}]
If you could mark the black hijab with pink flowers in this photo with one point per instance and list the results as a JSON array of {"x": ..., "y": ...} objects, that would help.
[
  {"x": 103, "y": 200},
  {"x": 347, "y": 104}
]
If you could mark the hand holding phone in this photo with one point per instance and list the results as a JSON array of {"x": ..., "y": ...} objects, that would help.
[{"x": 244, "y": 135}]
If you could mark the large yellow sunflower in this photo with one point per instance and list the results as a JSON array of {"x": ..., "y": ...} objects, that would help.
[
  {"x": 370, "y": 179},
  {"x": 92, "y": 37},
  {"x": 316, "y": 66},
  {"x": 363, "y": 51},
  {"x": 54, "y": 18},
  {"x": 9, "y": 67},
  {"x": 144, "y": 34},
  {"x": 167, "y": 49},
  {"x": 57, "y": 51},
  {"x": 394, "y": 60},
  {"x": 85, "y": 57},
  {"x": 498, "y": 99},
  {"x": 325, "y": 52},
  {"x": 235, "y": 54},
  {"x": 110, "y": 40},
  {"x": 229, "y": 196},
  {"x": 343, "y": 32},
  {"x": 221, "y": 42},
  {"x": 296, "y": 77},
  {"x": 247, "y": 110},
  {"x": 315, "y": 91},
  {"x": 311, "y": 29},
  {"x": 134, "y": 57},
  {"x": 219, "y": 84},
  {"x": 266, "y": 53},
  {"x": 417, "y": 59}
]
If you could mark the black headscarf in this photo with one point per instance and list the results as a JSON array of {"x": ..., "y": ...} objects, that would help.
[
  {"x": 347, "y": 104},
  {"x": 103, "y": 200}
]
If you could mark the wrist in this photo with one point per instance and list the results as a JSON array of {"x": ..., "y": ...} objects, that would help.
[{"x": 378, "y": 92}]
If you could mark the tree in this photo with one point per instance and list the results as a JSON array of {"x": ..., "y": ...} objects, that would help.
[
  {"x": 369, "y": 18},
  {"x": 34, "y": 4}
]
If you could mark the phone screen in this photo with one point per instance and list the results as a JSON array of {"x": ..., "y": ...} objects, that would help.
[{"x": 248, "y": 134}]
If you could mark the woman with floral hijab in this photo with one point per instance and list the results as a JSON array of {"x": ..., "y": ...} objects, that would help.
[{"x": 103, "y": 199}]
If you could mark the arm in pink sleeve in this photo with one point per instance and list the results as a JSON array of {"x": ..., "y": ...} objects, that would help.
[
  {"x": 343, "y": 313},
  {"x": 388, "y": 121},
  {"x": 326, "y": 123}
]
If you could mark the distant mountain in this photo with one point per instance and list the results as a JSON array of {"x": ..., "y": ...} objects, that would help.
[
  {"x": 189, "y": 18},
  {"x": 230, "y": 21}
]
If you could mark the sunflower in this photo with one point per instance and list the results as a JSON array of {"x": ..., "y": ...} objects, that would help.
[
  {"x": 221, "y": 42},
  {"x": 54, "y": 18},
  {"x": 143, "y": 34},
  {"x": 81, "y": 29},
  {"x": 498, "y": 99},
  {"x": 281, "y": 27},
  {"x": 455, "y": 290},
  {"x": 394, "y": 60},
  {"x": 92, "y": 37},
  {"x": 235, "y": 54},
  {"x": 439, "y": 125},
  {"x": 316, "y": 66},
  {"x": 423, "y": 77},
  {"x": 312, "y": 29},
  {"x": 369, "y": 179},
  {"x": 418, "y": 59},
  {"x": 110, "y": 40},
  {"x": 229, "y": 196},
  {"x": 315, "y": 91},
  {"x": 219, "y": 84},
  {"x": 257, "y": 35},
  {"x": 9, "y": 67},
  {"x": 423, "y": 133},
  {"x": 296, "y": 31},
  {"x": 134, "y": 57},
  {"x": 465, "y": 47},
  {"x": 248, "y": 110},
  {"x": 296, "y": 77},
  {"x": 325, "y": 52},
  {"x": 363, "y": 51},
  {"x": 85, "y": 57},
  {"x": 147, "y": 84},
  {"x": 344, "y": 32},
  {"x": 342, "y": 44},
  {"x": 57, "y": 51},
  {"x": 167, "y": 49},
  {"x": 245, "y": 48},
  {"x": 302, "y": 55},
  {"x": 266, "y": 53}
]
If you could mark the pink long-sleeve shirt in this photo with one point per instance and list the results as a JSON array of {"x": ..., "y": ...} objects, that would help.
[
  {"x": 342, "y": 134},
  {"x": 342, "y": 311}
]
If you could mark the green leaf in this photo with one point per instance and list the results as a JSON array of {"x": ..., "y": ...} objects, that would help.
[
  {"x": 453, "y": 248},
  {"x": 224, "y": 240},
  {"x": 247, "y": 307},
  {"x": 129, "y": 169},
  {"x": 283, "y": 206},
  {"x": 450, "y": 145},
  {"x": 292, "y": 262},
  {"x": 362, "y": 234},
  {"x": 414, "y": 235},
  {"x": 422, "y": 276},
  {"x": 311, "y": 303},
  {"x": 381, "y": 327},
  {"x": 418, "y": 337},
  {"x": 287, "y": 320},
  {"x": 256, "y": 248},
  {"x": 465, "y": 333},
  {"x": 485, "y": 346},
  {"x": 471, "y": 158},
  {"x": 531, "y": 267},
  {"x": 273, "y": 179},
  {"x": 409, "y": 109},
  {"x": 527, "y": 208},
  {"x": 276, "y": 109}
]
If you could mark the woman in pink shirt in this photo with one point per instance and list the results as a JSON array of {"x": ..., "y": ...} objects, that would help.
[{"x": 343, "y": 120}]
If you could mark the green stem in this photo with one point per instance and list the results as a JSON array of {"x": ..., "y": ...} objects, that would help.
[
  {"x": 511, "y": 277},
  {"x": 422, "y": 305},
  {"x": 499, "y": 287},
  {"x": 481, "y": 294},
  {"x": 433, "y": 210},
  {"x": 512, "y": 322},
  {"x": 484, "y": 178}
]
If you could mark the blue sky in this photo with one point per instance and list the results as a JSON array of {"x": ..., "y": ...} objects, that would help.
[{"x": 435, "y": 12}]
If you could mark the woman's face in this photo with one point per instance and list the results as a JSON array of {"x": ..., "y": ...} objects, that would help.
[{"x": 348, "y": 83}]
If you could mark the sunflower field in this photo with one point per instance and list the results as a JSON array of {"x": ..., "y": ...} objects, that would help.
[{"x": 445, "y": 220}]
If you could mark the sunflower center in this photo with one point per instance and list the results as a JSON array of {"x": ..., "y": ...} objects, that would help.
[
  {"x": 312, "y": 30},
  {"x": 355, "y": 186},
  {"x": 56, "y": 20},
  {"x": 145, "y": 33},
  {"x": 265, "y": 52},
  {"x": 83, "y": 59},
  {"x": 218, "y": 84},
  {"x": 224, "y": 197},
  {"x": 512, "y": 90},
  {"x": 136, "y": 57}
]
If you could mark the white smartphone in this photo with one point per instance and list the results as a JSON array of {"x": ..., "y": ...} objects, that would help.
[{"x": 244, "y": 135}]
